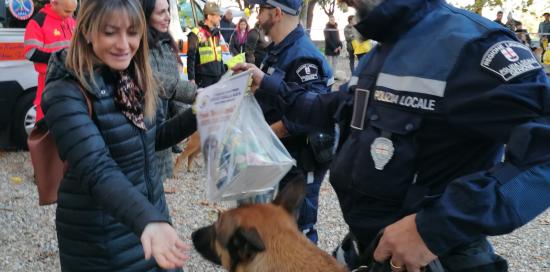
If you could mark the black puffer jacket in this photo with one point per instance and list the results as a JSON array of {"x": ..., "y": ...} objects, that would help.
[{"x": 112, "y": 188}]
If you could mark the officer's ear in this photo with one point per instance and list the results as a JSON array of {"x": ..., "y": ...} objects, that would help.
[{"x": 278, "y": 13}]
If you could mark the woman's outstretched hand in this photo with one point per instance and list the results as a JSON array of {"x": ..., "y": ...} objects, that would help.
[{"x": 161, "y": 241}]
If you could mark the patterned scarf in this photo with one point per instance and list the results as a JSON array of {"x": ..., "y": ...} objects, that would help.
[{"x": 129, "y": 98}]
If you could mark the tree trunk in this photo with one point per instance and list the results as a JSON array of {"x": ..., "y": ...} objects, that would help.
[{"x": 310, "y": 8}]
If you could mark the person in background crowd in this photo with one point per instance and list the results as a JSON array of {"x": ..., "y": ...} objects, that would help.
[
  {"x": 510, "y": 22},
  {"x": 238, "y": 39},
  {"x": 523, "y": 34},
  {"x": 256, "y": 44},
  {"x": 544, "y": 32},
  {"x": 50, "y": 30},
  {"x": 333, "y": 45},
  {"x": 420, "y": 158},
  {"x": 293, "y": 59},
  {"x": 111, "y": 213},
  {"x": 498, "y": 20},
  {"x": 204, "y": 56},
  {"x": 227, "y": 26},
  {"x": 167, "y": 68},
  {"x": 350, "y": 34}
]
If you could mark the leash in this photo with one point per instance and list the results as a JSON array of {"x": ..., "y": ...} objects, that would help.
[
  {"x": 368, "y": 258},
  {"x": 362, "y": 268}
]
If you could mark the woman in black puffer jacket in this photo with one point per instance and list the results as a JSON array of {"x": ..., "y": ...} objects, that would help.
[
  {"x": 111, "y": 213},
  {"x": 176, "y": 94}
]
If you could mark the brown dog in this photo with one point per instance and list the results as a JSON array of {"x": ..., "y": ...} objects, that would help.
[
  {"x": 192, "y": 149},
  {"x": 262, "y": 238}
]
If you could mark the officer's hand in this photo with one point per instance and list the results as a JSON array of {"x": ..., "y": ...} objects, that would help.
[
  {"x": 257, "y": 74},
  {"x": 402, "y": 244}
]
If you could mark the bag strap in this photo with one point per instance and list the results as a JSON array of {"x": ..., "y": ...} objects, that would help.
[{"x": 86, "y": 97}]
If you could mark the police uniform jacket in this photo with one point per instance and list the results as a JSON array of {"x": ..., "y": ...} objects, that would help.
[
  {"x": 424, "y": 121},
  {"x": 112, "y": 188},
  {"x": 296, "y": 62}
]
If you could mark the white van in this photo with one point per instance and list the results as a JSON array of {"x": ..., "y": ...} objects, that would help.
[{"x": 18, "y": 81}]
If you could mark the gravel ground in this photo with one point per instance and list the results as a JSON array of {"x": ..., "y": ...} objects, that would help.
[{"x": 28, "y": 241}]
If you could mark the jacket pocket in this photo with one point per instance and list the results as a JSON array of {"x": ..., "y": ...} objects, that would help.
[{"x": 385, "y": 165}]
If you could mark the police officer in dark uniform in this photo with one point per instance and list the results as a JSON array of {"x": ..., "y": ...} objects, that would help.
[
  {"x": 297, "y": 61},
  {"x": 422, "y": 124}
]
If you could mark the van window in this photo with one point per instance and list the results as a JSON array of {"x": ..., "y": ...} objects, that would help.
[{"x": 186, "y": 13}]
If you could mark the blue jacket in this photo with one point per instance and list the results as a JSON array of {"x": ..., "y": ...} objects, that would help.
[
  {"x": 295, "y": 61},
  {"x": 112, "y": 188},
  {"x": 448, "y": 89}
]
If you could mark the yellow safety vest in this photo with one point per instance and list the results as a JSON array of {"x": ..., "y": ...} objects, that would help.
[
  {"x": 361, "y": 47},
  {"x": 209, "y": 46}
]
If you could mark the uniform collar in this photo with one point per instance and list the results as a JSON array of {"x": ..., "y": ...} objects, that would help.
[
  {"x": 392, "y": 18},
  {"x": 205, "y": 27},
  {"x": 287, "y": 41}
]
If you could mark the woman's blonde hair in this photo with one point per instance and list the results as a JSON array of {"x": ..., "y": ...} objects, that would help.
[{"x": 81, "y": 59}]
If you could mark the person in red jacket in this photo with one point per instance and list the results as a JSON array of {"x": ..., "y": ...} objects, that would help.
[{"x": 50, "y": 30}]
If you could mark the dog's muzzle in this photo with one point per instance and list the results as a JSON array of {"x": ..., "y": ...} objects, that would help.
[{"x": 203, "y": 240}]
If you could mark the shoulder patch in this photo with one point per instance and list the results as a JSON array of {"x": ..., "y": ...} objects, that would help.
[
  {"x": 509, "y": 59},
  {"x": 308, "y": 72},
  {"x": 40, "y": 17}
]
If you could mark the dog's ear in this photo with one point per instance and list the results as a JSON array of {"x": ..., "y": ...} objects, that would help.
[
  {"x": 245, "y": 244},
  {"x": 291, "y": 196}
]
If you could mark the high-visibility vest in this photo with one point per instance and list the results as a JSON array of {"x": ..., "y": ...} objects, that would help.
[
  {"x": 209, "y": 46},
  {"x": 361, "y": 47}
]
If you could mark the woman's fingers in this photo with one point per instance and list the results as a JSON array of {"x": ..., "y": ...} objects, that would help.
[
  {"x": 146, "y": 243},
  {"x": 163, "y": 262},
  {"x": 182, "y": 246},
  {"x": 178, "y": 253},
  {"x": 161, "y": 241},
  {"x": 171, "y": 256}
]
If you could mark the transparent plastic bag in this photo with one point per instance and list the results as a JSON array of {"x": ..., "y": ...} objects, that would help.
[{"x": 243, "y": 157}]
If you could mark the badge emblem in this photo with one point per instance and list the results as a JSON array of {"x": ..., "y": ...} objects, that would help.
[
  {"x": 56, "y": 32},
  {"x": 509, "y": 59},
  {"x": 381, "y": 151},
  {"x": 308, "y": 72},
  {"x": 510, "y": 54}
]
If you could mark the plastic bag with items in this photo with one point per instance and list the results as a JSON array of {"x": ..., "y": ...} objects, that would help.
[{"x": 243, "y": 157}]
